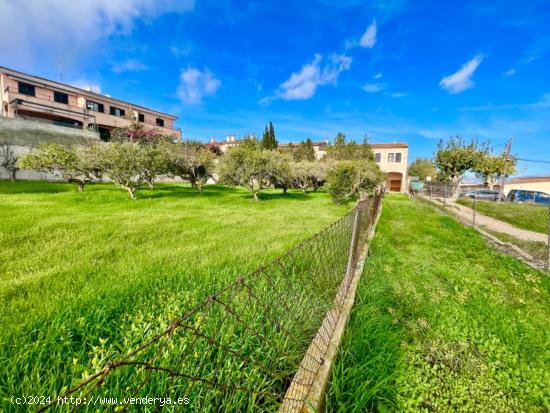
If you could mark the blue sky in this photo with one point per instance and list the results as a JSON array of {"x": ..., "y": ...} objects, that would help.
[{"x": 396, "y": 70}]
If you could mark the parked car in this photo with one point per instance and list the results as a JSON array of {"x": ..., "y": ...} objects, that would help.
[
  {"x": 531, "y": 197},
  {"x": 484, "y": 194}
]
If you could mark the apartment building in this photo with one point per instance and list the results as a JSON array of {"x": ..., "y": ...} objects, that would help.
[
  {"x": 38, "y": 99},
  {"x": 393, "y": 158}
]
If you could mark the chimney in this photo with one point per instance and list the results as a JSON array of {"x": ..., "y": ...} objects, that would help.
[
  {"x": 228, "y": 138},
  {"x": 212, "y": 139},
  {"x": 232, "y": 138}
]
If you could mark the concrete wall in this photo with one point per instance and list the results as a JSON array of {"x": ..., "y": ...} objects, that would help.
[{"x": 24, "y": 135}]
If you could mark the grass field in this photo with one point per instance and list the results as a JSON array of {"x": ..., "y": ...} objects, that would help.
[
  {"x": 85, "y": 276},
  {"x": 525, "y": 216},
  {"x": 443, "y": 323}
]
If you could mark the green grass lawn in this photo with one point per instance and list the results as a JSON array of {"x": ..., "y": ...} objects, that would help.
[
  {"x": 443, "y": 323},
  {"x": 86, "y": 276},
  {"x": 525, "y": 216}
]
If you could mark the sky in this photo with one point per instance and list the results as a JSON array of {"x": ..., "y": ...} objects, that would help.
[{"x": 395, "y": 70}]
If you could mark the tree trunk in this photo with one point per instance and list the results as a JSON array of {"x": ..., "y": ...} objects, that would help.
[
  {"x": 132, "y": 192},
  {"x": 81, "y": 186},
  {"x": 256, "y": 198},
  {"x": 13, "y": 173},
  {"x": 285, "y": 189},
  {"x": 151, "y": 184}
]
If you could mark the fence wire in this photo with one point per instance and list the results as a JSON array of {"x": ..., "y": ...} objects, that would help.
[
  {"x": 241, "y": 348},
  {"x": 525, "y": 225}
]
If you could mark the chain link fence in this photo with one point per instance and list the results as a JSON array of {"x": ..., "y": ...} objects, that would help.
[
  {"x": 244, "y": 346},
  {"x": 525, "y": 225}
]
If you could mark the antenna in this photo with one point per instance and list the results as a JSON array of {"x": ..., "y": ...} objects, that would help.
[{"x": 60, "y": 67}]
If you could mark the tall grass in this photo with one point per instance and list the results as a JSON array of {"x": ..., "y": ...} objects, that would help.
[
  {"x": 85, "y": 278},
  {"x": 443, "y": 323}
]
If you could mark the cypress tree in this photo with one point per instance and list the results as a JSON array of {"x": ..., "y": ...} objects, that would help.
[
  {"x": 272, "y": 140},
  {"x": 265, "y": 139},
  {"x": 309, "y": 150}
]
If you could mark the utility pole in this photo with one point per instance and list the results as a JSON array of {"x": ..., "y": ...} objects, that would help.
[{"x": 507, "y": 150}]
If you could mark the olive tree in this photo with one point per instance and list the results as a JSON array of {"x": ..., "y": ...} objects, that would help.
[
  {"x": 80, "y": 165},
  {"x": 156, "y": 161},
  {"x": 9, "y": 159},
  {"x": 125, "y": 163},
  {"x": 193, "y": 162},
  {"x": 348, "y": 178},
  {"x": 252, "y": 168},
  {"x": 308, "y": 175}
]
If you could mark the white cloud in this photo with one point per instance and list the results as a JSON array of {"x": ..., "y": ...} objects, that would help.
[
  {"x": 86, "y": 85},
  {"x": 369, "y": 37},
  {"x": 303, "y": 84},
  {"x": 398, "y": 94},
  {"x": 196, "y": 84},
  {"x": 461, "y": 79},
  {"x": 181, "y": 51},
  {"x": 128, "y": 65},
  {"x": 374, "y": 87},
  {"x": 338, "y": 63},
  {"x": 40, "y": 28},
  {"x": 378, "y": 76},
  {"x": 510, "y": 72}
]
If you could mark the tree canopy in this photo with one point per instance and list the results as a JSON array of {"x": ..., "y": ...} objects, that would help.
[
  {"x": 455, "y": 157},
  {"x": 342, "y": 150},
  {"x": 422, "y": 168},
  {"x": 252, "y": 168},
  {"x": 80, "y": 165}
]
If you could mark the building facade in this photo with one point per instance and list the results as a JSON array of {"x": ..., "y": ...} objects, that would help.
[
  {"x": 34, "y": 98},
  {"x": 531, "y": 183},
  {"x": 393, "y": 159}
]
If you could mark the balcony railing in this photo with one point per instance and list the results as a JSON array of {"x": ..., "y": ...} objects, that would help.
[{"x": 61, "y": 106}]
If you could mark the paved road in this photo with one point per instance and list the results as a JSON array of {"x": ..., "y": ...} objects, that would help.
[{"x": 492, "y": 224}]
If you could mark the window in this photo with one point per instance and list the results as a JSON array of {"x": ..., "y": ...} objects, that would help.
[
  {"x": 117, "y": 111},
  {"x": 398, "y": 157},
  {"x": 160, "y": 122},
  {"x": 61, "y": 97},
  {"x": 391, "y": 157},
  {"x": 26, "y": 89},
  {"x": 377, "y": 157},
  {"x": 141, "y": 117},
  {"x": 96, "y": 107}
]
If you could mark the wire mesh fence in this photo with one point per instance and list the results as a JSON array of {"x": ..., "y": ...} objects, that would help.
[
  {"x": 525, "y": 225},
  {"x": 242, "y": 347}
]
